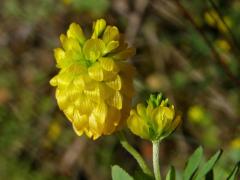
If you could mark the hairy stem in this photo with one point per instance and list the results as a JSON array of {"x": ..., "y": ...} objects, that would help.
[{"x": 156, "y": 167}]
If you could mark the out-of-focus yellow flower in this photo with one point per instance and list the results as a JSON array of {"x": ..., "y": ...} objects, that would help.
[
  {"x": 197, "y": 114},
  {"x": 155, "y": 121},
  {"x": 94, "y": 87},
  {"x": 222, "y": 27},
  {"x": 54, "y": 130},
  {"x": 223, "y": 45},
  {"x": 212, "y": 18},
  {"x": 235, "y": 143},
  {"x": 53, "y": 133},
  {"x": 67, "y": 1}
]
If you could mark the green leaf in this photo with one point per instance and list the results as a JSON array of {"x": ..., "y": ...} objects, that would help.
[
  {"x": 193, "y": 163},
  {"x": 208, "y": 166},
  {"x": 119, "y": 174},
  {"x": 234, "y": 173},
  {"x": 171, "y": 175},
  {"x": 139, "y": 175},
  {"x": 210, "y": 175}
]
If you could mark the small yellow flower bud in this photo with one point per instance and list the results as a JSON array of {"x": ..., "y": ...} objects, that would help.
[
  {"x": 94, "y": 86},
  {"x": 155, "y": 121}
]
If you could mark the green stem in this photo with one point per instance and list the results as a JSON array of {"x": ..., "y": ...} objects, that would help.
[
  {"x": 156, "y": 167},
  {"x": 135, "y": 154}
]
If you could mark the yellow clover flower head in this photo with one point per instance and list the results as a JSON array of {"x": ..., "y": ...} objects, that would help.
[
  {"x": 155, "y": 121},
  {"x": 94, "y": 86}
]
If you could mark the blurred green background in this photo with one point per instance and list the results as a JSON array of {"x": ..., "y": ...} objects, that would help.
[{"x": 189, "y": 50}]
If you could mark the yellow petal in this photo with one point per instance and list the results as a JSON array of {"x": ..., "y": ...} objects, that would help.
[
  {"x": 111, "y": 46},
  {"x": 91, "y": 84},
  {"x": 109, "y": 75},
  {"x": 93, "y": 125},
  {"x": 88, "y": 133},
  {"x": 73, "y": 93},
  {"x": 141, "y": 110},
  {"x": 73, "y": 56},
  {"x": 169, "y": 113},
  {"x": 53, "y": 81},
  {"x": 112, "y": 120},
  {"x": 115, "y": 84},
  {"x": 74, "y": 76},
  {"x": 125, "y": 54},
  {"x": 97, "y": 119},
  {"x": 137, "y": 125},
  {"x": 111, "y": 33},
  {"x": 76, "y": 70},
  {"x": 116, "y": 100},
  {"x": 73, "y": 53},
  {"x": 108, "y": 64},
  {"x": 59, "y": 55},
  {"x": 69, "y": 112},
  {"x": 98, "y": 28},
  {"x": 62, "y": 99},
  {"x": 64, "y": 79},
  {"x": 110, "y": 70},
  {"x": 105, "y": 91},
  {"x": 93, "y": 49},
  {"x": 84, "y": 104},
  {"x": 75, "y": 32},
  {"x": 94, "y": 95},
  {"x": 163, "y": 116},
  {"x": 175, "y": 123},
  {"x": 100, "y": 112},
  {"x": 71, "y": 44},
  {"x": 62, "y": 38},
  {"x": 96, "y": 72},
  {"x": 79, "y": 82},
  {"x": 96, "y": 136},
  {"x": 79, "y": 122},
  {"x": 122, "y": 44}
]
